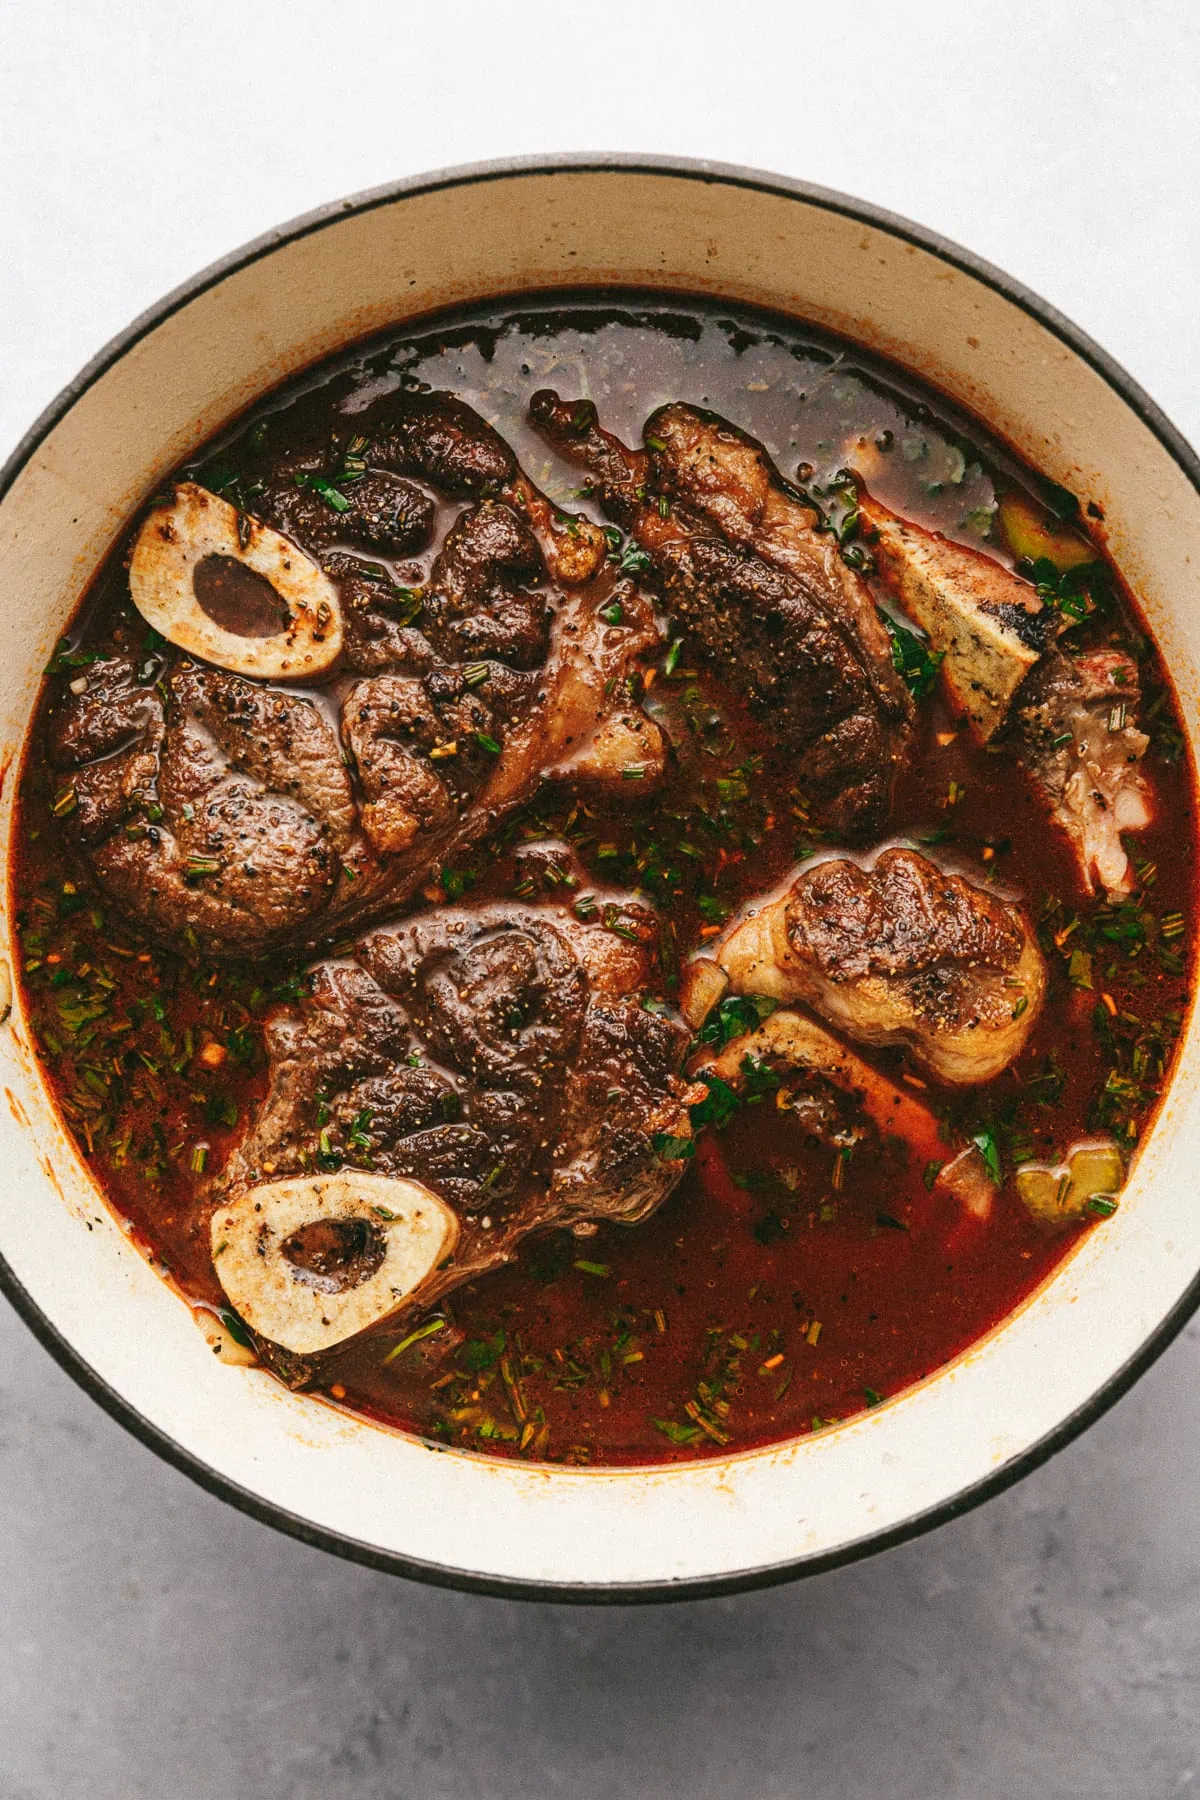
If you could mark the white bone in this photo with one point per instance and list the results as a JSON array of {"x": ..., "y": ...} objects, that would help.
[
  {"x": 170, "y": 547},
  {"x": 277, "y": 1300}
]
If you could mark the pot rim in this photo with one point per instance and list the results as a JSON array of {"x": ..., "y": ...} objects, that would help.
[{"x": 684, "y": 169}]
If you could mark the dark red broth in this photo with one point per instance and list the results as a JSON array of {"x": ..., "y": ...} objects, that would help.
[{"x": 780, "y": 1289}]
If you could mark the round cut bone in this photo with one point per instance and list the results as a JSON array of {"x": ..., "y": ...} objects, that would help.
[
  {"x": 231, "y": 591},
  {"x": 315, "y": 1259}
]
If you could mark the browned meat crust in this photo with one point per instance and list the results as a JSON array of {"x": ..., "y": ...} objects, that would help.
[
  {"x": 382, "y": 513},
  {"x": 739, "y": 559},
  {"x": 902, "y": 953},
  {"x": 728, "y": 477},
  {"x": 442, "y": 439},
  {"x": 214, "y": 810},
  {"x": 899, "y": 918}
]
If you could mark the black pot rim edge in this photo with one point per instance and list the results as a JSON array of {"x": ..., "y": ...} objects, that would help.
[{"x": 582, "y": 1593}]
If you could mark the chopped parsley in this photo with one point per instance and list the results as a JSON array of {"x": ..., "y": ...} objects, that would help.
[{"x": 916, "y": 664}]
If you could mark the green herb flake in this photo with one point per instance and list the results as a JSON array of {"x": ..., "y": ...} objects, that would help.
[
  {"x": 1079, "y": 969},
  {"x": 455, "y": 882},
  {"x": 332, "y": 496},
  {"x": 734, "y": 1016},
  {"x": 915, "y": 663},
  {"x": 984, "y": 1141},
  {"x": 677, "y": 1434},
  {"x": 615, "y": 922},
  {"x": 236, "y": 1329},
  {"x": 414, "y": 1337},
  {"x": 719, "y": 1105},
  {"x": 712, "y": 910},
  {"x": 634, "y": 561}
]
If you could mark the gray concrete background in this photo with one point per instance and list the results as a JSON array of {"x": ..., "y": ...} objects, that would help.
[{"x": 154, "y": 1645}]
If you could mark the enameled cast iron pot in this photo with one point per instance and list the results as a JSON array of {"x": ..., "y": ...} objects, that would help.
[{"x": 177, "y": 375}]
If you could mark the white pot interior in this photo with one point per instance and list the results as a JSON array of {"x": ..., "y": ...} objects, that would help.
[{"x": 196, "y": 364}]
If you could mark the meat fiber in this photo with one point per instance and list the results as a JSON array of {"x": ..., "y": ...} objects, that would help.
[{"x": 1077, "y": 731}]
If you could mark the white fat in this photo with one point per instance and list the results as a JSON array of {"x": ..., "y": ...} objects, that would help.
[
  {"x": 755, "y": 954},
  {"x": 274, "y": 1298},
  {"x": 1105, "y": 800},
  {"x": 625, "y": 747},
  {"x": 1106, "y": 856},
  {"x": 1131, "y": 808},
  {"x": 170, "y": 547}
]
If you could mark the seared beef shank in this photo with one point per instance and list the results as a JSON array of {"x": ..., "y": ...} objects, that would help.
[
  {"x": 215, "y": 811},
  {"x": 1071, "y": 715},
  {"x": 768, "y": 598},
  {"x": 233, "y": 817},
  {"x": 501, "y": 1057}
]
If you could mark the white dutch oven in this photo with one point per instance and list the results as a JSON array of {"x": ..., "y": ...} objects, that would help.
[{"x": 180, "y": 373}]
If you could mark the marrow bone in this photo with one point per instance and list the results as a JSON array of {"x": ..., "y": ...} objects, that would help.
[
  {"x": 315, "y": 1259},
  {"x": 989, "y": 625},
  {"x": 232, "y": 591}
]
